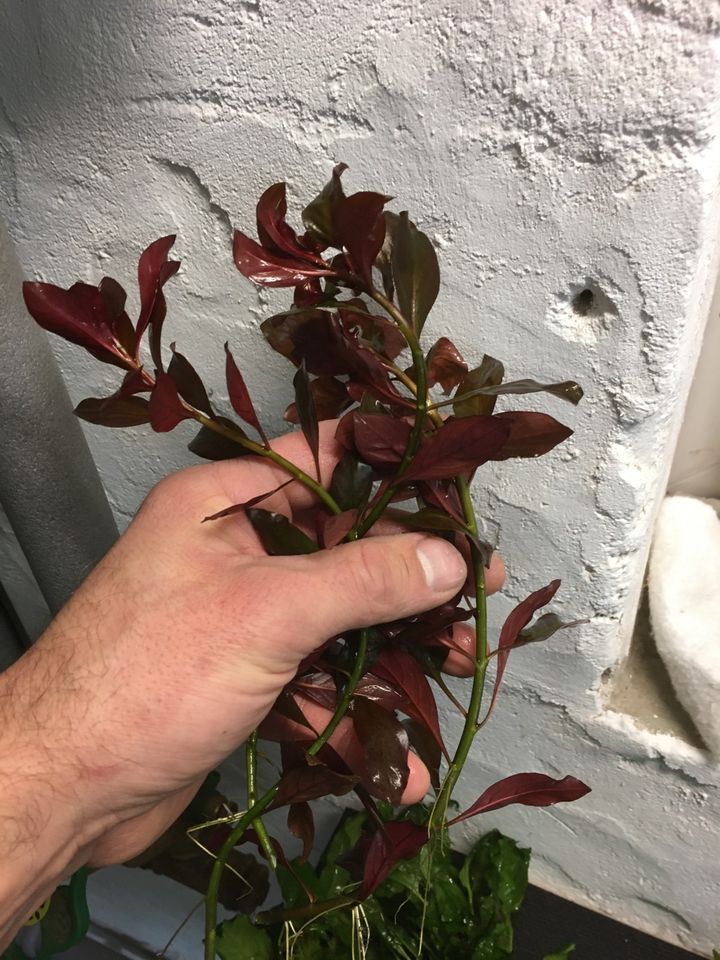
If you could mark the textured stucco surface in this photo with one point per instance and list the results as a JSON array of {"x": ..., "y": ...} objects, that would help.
[{"x": 546, "y": 148}]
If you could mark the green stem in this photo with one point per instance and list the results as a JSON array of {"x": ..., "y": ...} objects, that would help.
[
  {"x": 211, "y": 896},
  {"x": 470, "y": 727},
  {"x": 238, "y": 436},
  {"x": 251, "y": 772}
]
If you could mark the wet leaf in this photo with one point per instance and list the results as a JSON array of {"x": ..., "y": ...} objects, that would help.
[
  {"x": 165, "y": 408},
  {"x": 305, "y": 405},
  {"x": 385, "y": 743},
  {"x": 445, "y": 365},
  {"x": 530, "y": 789},
  {"x": 154, "y": 270},
  {"x": 271, "y": 269},
  {"x": 415, "y": 272},
  {"x": 458, "y": 446},
  {"x": 399, "y": 840},
  {"x": 114, "y": 411},
  {"x": 320, "y": 214},
  {"x": 274, "y": 233},
  {"x": 239, "y": 394},
  {"x": 310, "y": 783},
  {"x": 188, "y": 382},
  {"x": 360, "y": 228},
  {"x": 400, "y": 669},
  {"x": 426, "y": 747},
  {"x": 278, "y": 535},
  {"x": 377, "y": 332},
  {"x": 240, "y": 939},
  {"x": 216, "y": 446},
  {"x": 351, "y": 482},
  {"x": 531, "y": 434},
  {"x": 489, "y": 374},
  {"x": 301, "y": 824}
]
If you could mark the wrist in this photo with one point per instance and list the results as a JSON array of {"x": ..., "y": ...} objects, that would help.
[{"x": 46, "y": 830}]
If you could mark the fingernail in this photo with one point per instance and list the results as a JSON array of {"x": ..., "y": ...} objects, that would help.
[{"x": 443, "y": 565}]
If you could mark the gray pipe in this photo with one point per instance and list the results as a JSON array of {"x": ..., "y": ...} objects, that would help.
[{"x": 49, "y": 485}]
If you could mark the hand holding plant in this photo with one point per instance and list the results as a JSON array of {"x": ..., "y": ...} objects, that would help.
[{"x": 340, "y": 675}]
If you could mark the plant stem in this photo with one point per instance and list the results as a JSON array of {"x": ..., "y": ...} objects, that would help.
[
  {"x": 238, "y": 436},
  {"x": 260, "y": 805},
  {"x": 470, "y": 727},
  {"x": 251, "y": 776}
]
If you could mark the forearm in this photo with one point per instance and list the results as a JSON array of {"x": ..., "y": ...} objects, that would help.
[{"x": 43, "y": 834}]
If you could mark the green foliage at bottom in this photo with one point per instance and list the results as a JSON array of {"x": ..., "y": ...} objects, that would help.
[{"x": 463, "y": 905}]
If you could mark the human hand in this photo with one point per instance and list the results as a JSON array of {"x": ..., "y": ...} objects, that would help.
[{"x": 178, "y": 644}]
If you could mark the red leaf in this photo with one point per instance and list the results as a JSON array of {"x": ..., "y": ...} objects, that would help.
[
  {"x": 518, "y": 619},
  {"x": 154, "y": 270},
  {"x": 239, "y": 394},
  {"x": 187, "y": 380},
  {"x": 385, "y": 743},
  {"x": 378, "y": 332},
  {"x": 330, "y": 397},
  {"x": 270, "y": 269},
  {"x": 458, "y": 446},
  {"x": 335, "y": 528},
  {"x": 246, "y": 504},
  {"x": 445, "y": 365},
  {"x": 120, "y": 323},
  {"x": 531, "y": 789},
  {"x": 166, "y": 409},
  {"x": 360, "y": 228},
  {"x": 301, "y": 824},
  {"x": 403, "y": 671},
  {"x": 380, "y": 440},
  {"x": 398, "y": 840},
  {"x": 115, "y": 411},
  {"x": 311, "y": 782},
  {"x": 79, "y": 315},
  {"x": 274, "y": 233},
  {"x": 531, "y": 434}
]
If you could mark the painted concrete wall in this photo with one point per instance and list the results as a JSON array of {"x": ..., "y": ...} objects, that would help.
[{"x": 547, "y": 148}]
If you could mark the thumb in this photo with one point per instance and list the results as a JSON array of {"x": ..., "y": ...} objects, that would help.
[{"x": 372, "y": 581}]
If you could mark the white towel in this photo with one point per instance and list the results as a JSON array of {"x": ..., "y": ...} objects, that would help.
[{"x": 684, "y": 593}]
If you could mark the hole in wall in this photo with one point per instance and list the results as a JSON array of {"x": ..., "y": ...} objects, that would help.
[
  {"x": 584, "y": 313},
  {"x": 582, "y": 302}
]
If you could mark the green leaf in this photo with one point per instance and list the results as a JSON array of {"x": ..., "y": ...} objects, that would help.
[
  {"x": 319, "y": 215},
  {"x": 280, "y": 537},
  {"x": 570, "y": 948},
  {"x": 307, "y": 413},
  {"x": 416, "y": 273},
  {"x": 489, "y": 374},
  {"x": 567, "y": 390},
  {"x": 543, "y": 628},
  {"x": 240, "y": 939}
]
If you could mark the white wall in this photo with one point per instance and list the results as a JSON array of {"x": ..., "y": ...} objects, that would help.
[{"x": 546, "y": 147}]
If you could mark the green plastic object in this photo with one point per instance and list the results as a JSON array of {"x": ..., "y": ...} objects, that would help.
[{"x": 64, "y": 925}]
